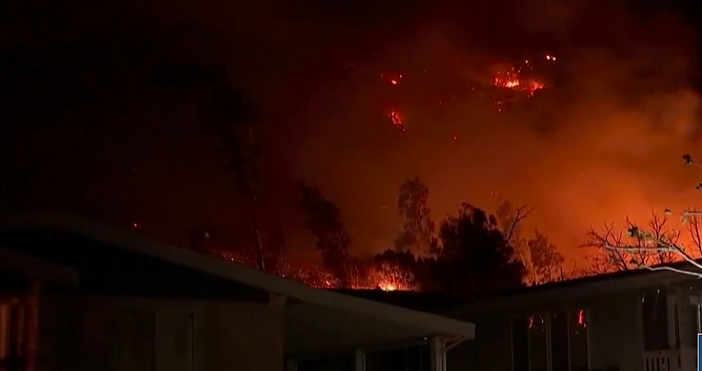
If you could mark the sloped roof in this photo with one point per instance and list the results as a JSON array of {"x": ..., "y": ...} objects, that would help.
[
  {"x": 598, "y": 284},
  {"x": 430, "y": 324}
]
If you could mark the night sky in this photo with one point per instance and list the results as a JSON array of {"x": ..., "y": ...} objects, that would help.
[{"x": 93, "y": 124}]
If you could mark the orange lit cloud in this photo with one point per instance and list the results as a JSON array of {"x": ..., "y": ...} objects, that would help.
[{"x": 604, "y": 143}]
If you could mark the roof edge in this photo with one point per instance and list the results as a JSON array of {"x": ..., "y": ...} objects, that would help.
[
  {"x": 570, "y": 290},
  {"x": 48, "y": 220}
]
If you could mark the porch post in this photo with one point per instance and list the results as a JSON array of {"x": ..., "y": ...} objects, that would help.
[
  {"x": 360, "y": 363},
  {"x": 32, "y": 330},
  {"x": 437, "y": 347}
]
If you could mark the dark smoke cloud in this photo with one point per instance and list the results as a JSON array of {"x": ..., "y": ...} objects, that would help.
[{"x": 603, "y": 143}]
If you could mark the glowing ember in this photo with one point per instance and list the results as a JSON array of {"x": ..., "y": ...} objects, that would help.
[
  {"x": 390, "y": 277},
  {"x": 396, "y": 120},
  {"x": 517, "y": 79},
  {"x": 393, "y": 79},
  {"x": 378, "y": 275},
  {"x": 511, "y": 80}
]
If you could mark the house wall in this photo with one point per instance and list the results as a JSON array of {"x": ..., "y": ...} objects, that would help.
[
  {"x": 615, "y": 334},
  {"x": 135, "y": 335}
]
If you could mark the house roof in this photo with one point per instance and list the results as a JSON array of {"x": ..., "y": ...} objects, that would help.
[
  {"x": 417, "y": 300},
  {"x": 603, "y": 284},
  {"x": 423, "y": 324},
  {"x": 562, "y": 290}
]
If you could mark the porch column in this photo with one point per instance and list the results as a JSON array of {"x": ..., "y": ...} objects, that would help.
[
  {"x": 437, "y": 351},
  {"x": 360, "y": 361},
  {"x": 32, "y": 327}
]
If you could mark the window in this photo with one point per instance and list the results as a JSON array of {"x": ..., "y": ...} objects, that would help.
[
  {"x": 550, "y": 342},
  {"x": 11, "y": 336},
  {"x": 520, "y": 344},
  {"x": 654, "y": 312},
  {"x": 174, "y": 341},
  {"x": 538, "y": 346},
  {"x": 344, "y": 363},
  {"x": 411, "y": 358},
  {"x": 162, "y": 341},
  {"x": 577, "y": 340},
  {"x": 4, "y": 331},
  {"x": 559, "y": 342}
]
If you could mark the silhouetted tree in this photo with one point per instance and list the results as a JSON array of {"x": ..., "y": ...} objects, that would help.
[
  {"x": 647, "y": 247},
  {"x": 508, "y": 219},
  {"x": 231, "y": 120},
  {"x": 323, "y": 220},
  {"x": 545, "y": 258},
  {"x": 418, "y": 230},
  {"x": 638, "y": 253},
  {"x": 274, "y": 254},
  {"x": 541, "y": 259},
  {"x": 475, "y": 255}
]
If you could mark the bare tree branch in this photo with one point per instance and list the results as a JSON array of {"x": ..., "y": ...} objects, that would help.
[
  {"x": 520, "y": 214},
  {"x": 646, "y": 248},
  {"x": 673, "y": 269}
]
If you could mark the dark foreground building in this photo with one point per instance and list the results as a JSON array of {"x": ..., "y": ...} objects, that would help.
[{"x": 81, "y": 296}]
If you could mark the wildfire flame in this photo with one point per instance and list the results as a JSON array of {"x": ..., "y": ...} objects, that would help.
[
  {"x": 511, "y": 80},
  {"x": 377, "y": 275},
  {"x": 396, "y": 120},
  {"x": 516, "y": 79},
  {"x": 390, "y": 277}
]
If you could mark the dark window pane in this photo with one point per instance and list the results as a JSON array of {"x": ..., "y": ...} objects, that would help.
[
  {"x": 419, "y": 358},
  {"x": 386, "y": 360},
  {"x": 328, "y": 364},
  {"x": 559, "y": 342},
  {"x": 537, "y": 343},
  {"x": 577, "y": 326},
  {"x": 174, "y": 344},
  {"x": 654, "y": 310},
  {"x": 520, "y": 344},
  {"x": 136, "y": 343}
]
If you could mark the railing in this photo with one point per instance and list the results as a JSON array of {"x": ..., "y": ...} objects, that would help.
[{"x": 663, "y": 360}]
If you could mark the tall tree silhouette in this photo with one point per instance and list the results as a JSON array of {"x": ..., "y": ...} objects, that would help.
[
  {"x": 231, "y": 120},
  {"x": 475, "y": 254},
  {"x": 546, "y": 260},
  {"x": 417, "y": 233},
  {"x": 323, "y": 220}
]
